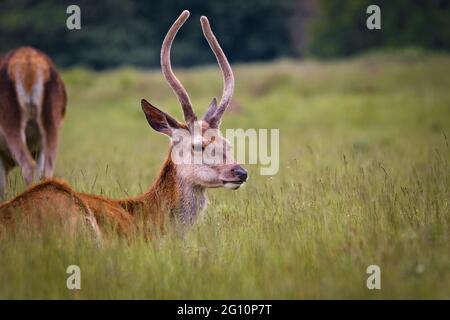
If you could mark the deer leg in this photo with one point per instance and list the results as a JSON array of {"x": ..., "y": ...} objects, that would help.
[
  {"x": 13, "y": 121},
  {"x": 49, "y": 149},
  {"x": 18, "y": 147},
  {"x": 2, "y": 180},
  {"x": 52, "y": 114},
  {"x": 40, "y": 164},
  {"x": 42, "y": 153}
]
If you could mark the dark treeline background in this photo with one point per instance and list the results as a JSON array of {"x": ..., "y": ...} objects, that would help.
[{"x": 118, "y": 32}]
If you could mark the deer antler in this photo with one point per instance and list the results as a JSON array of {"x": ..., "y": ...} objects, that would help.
[
  {"x": 213, "y": 118},
  {"x": 166, "y": 68}
]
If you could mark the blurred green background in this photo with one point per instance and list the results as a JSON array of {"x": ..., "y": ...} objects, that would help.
[{"x": 116, "y": 32}]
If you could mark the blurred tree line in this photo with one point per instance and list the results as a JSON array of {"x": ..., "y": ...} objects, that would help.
[
  {"x": 340, "y": 29},
  {"x": 117, "y": 32}
]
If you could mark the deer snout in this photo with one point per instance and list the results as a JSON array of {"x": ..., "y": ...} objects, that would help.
[{"x": 240, "y": 173}]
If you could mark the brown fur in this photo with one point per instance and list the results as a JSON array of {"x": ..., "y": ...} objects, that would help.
[
  {"x": 32, "y": 107},
  {"x": 152, "y": 207},
  {"x": 29, "y": 62}
]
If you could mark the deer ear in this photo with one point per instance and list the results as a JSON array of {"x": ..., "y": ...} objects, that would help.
[
  {"x": 211, "y": 110},
  {"x": 211, "y": 115},
  {"x": 159, "y": 120}
]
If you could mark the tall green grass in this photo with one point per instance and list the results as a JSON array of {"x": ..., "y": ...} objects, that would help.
[{"x": 364, "y": 179}]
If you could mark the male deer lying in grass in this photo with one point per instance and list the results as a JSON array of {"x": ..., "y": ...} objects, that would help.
[
  {"x": 179, "y": 190},
  {"x": 32, "y": 107}
]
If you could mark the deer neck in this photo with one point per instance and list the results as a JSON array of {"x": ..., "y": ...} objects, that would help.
[
  {"x": 192, "y": 201},
  {"x": 173, "y": 194}
]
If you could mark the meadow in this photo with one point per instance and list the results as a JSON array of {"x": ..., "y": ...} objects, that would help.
[{"x": 364, "y": 179}]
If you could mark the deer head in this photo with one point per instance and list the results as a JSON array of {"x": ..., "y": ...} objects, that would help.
[{"x": 205, "y": 158}]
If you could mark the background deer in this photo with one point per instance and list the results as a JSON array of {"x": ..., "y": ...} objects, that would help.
[
  {"x": 32, "y": 106},
  {"x": 179, "y": 189}
]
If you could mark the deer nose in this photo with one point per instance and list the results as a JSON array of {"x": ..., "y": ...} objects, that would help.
[{"x": 240, "y": 172}]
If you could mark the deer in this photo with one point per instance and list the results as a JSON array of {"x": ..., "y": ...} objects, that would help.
[
  {"x": 179, "y": 191},
  {"x": 32, "y": 107}
]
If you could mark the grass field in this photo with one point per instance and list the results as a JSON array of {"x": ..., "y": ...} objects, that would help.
[{"x": 364, "y": 179}]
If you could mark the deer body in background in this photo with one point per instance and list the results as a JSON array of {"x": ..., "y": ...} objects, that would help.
[
  {"x": 32, "y": 107},
  {"x": 179, "y": 190}
]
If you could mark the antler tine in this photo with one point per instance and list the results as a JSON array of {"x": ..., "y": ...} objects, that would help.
[
  {"x": 228, "y": 78},
  {"x": 166, "y": 68}
]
